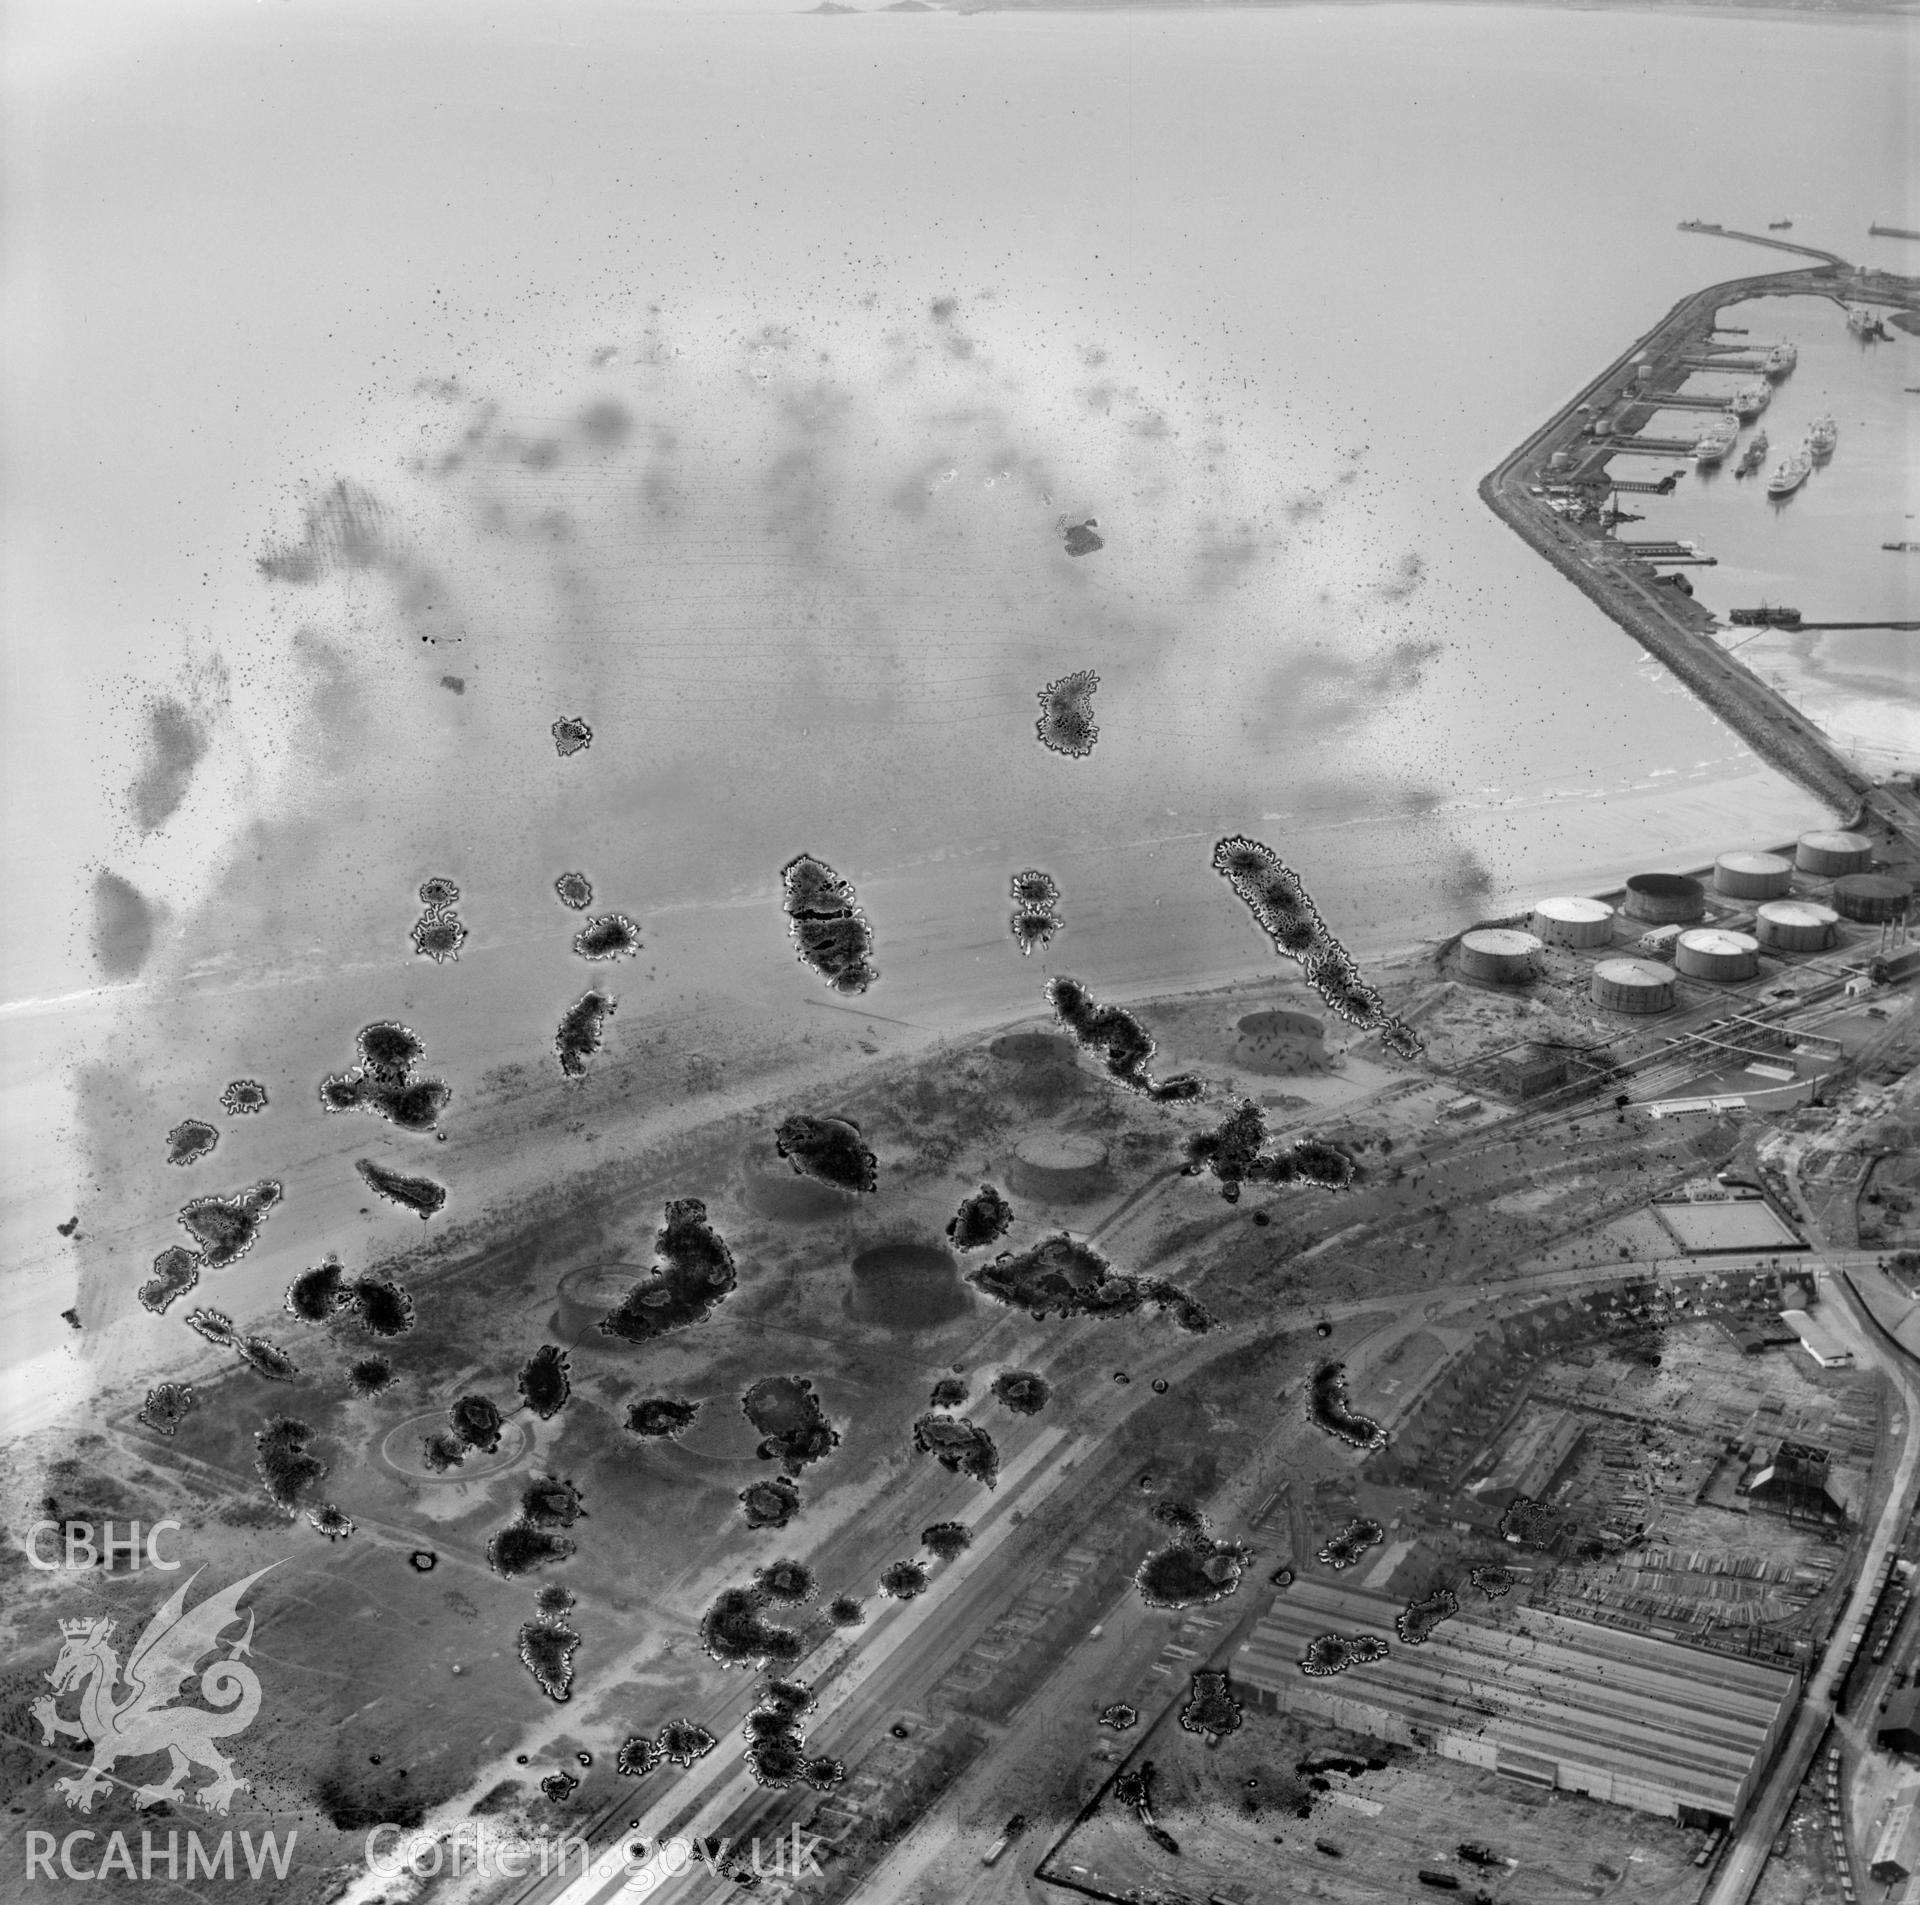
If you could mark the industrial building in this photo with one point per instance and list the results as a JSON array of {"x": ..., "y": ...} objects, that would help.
[
  {"x": 1817, "y": 1340},
  {"x": 1896, "y": 968},
  {"x": 1555, "y": 1702},
  {"x": 1797, "y": 1480},
  {"x": 1899, "y": 1730},
  {"x": 1531, "y": 1070},
  {"x": 1896, "y": 1846},
  {"x": 1532, "y": 1458}
]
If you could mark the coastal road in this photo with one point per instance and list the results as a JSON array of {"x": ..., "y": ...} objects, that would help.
[{"x": 1741, "y": 1866}]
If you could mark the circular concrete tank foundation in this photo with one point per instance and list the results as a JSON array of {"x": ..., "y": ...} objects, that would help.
[
  {"x": 775, "y": 1189},
  {"x": 1282, "y": 1041},
  {"x": 590, "y": 1293},
  {"x": 907, "y": 1286},
  {"x": 1059, "y": 1167}
]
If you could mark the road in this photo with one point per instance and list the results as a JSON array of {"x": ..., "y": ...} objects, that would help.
[{"x": 1748, "y": 1851}]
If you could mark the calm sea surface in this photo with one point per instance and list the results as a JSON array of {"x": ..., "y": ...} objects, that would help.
[{"x": 727, "y": 381}]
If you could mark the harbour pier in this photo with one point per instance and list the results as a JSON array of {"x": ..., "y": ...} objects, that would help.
[{"x": 1553, "y": 492}]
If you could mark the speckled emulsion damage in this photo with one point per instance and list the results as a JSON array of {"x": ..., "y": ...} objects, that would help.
[{"x": 511, "y": 654}]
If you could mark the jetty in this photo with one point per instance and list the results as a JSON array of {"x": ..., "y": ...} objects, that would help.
[
  {"x": 1761, "y": 238},
  {"x": 1569, "y": 457},
  {"x": 1889, "y": 231}
]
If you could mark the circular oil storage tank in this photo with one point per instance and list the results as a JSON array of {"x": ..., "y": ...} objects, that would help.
[
  {"x": 1872, "y": 897},
  {"x": 1664, "y": 899},
  {"x": 1828, "y": 854},
  {"x": 1752, "y": 876},
  {"x": 588, "y": 1294},
  {"x": 1632, "y": 985},
  {"x": 1059, "y": 1167},
  {"x": 1795, "y": 925},
  {"x": 1573, "y": 922},
  {"x": 1711, "y": 953},
  {"x": 907, "y": 1286},
  {"x": 1500, "y": 954}
]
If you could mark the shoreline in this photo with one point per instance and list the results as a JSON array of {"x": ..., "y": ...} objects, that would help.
[{"x": 1668, "y": 624}]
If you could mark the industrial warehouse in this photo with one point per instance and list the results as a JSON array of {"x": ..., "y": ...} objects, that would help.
[{"x": 1553, "y": 1702}]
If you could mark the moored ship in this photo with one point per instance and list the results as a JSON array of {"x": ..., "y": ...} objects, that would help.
[
  {"x": 1753, "y": 455},
  {"x": 1791, "y": 473},
  {"x": 1750, "y": 399},
  {"x": 1822, "y": 434},
  {"x": 1781, "y": 360},
  {"x": 1718, "y": 438}
]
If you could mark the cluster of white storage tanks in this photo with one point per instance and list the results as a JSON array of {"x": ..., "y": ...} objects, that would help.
[{"x": 1673, "y": 903}]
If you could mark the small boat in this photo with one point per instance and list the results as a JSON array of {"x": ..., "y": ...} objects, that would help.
[
  {"x": 1750, "y": 399},
  {"x": 1753, "y": 455},
  {"x": 1864, "y": 323},
  {"x": 1780, "y": 361},
  {"x": 1791, "y": 473},
  {"x": 1780, "y": 225},
  {"x": 1822, "y": 434}
]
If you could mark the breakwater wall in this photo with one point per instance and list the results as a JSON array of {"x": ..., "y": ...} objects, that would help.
[{"x": 1665, "y": 622}]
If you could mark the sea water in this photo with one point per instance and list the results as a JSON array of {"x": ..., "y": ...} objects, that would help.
[{"x": 882, "y": 303}]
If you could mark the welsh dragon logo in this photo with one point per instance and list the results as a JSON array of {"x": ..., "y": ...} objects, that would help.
[{"x": 142, "y": 1720}]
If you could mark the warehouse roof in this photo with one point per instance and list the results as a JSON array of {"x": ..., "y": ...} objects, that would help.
[
  {"x": 1545, "y": 1687},
  {"x": 1820, "y": 1343}
]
